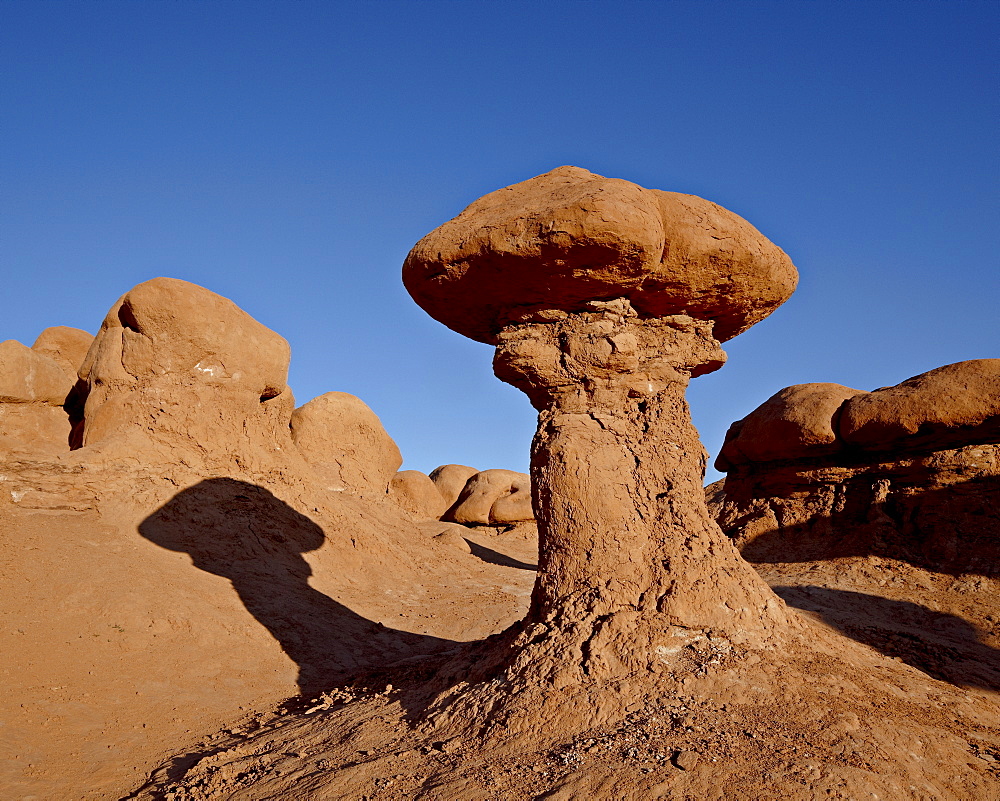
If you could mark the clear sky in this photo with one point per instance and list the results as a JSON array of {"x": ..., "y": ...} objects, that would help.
[{"x": 288, "y": 154}]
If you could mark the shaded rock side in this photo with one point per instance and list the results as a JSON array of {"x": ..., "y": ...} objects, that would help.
[
  {"x": 343, "y": 439},
  {"x": 938, "y": 510}
]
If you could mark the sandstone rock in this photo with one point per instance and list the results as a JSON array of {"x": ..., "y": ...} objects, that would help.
[
  {"x": 604, "y": 299},
  {"x": 453, "y": 536},
  {"x": 939, "y": 510},
  {"x": 179, "y": 369},
  {"x": 66, "y": 346},
  {"x": 493, "y": 496},
  {"x": 33, "y": 429},
  {"x": 914, "y": 473},
  {"x": 33, "y": 389},
  {"x": 27, "y": 376},
  {"x": 795, "y": 422},
  {"x": 340, "y": 436},
  {"x": 415, "y": 492},
  {"x": 450, "y": 480},
  {"x": 954, "y": 405},
  {"x": 568, "y": 237}
]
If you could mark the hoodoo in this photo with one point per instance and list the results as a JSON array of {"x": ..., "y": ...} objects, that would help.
[{"x": 604, "y": 299}]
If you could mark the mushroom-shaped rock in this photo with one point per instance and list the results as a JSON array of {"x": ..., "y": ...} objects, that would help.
[
  {"x": 343, "y": 439},
  {"x": 568, "y": 237},
  {"x": 795, "y": 422},
  {"x": 493, "y": 496},
  {"x": 66, "y": 346},
  {"x": 604, "y": 299},
  {"x": 450, "y": 480},
  {"x": 415, "y": 492},
  {"x": 174, "y": 360},
  {"x": 954, "y": 405}
]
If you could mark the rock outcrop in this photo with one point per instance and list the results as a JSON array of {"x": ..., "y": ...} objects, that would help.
[
  {"x": 344, "y": 441},
  {"x": 176, "y": 369},
  {"x": 187, "y": 564},
  {"x": 604, "y": 299},
  {"x": 913, "y": 472},
  {"x": 569, "y": 237},
  {"x": 417, "y": 494},
  {"x": 66, "y": 346},
  {"x": 493, "y": 497},
  {"x": 33, "y": 392},
  {"x": 954, "y": 405},
  {"x": 796, "y": 421},
  {"x": 450, "y": 480}
]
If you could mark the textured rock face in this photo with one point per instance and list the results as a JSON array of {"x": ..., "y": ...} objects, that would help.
[
  {"x": 27, "y": 376},
  {"x": 450, "y": 479},
  {"x": 175, "y": 366},
  {"x": 33, "y": 389},
  {"x": 343, "y": 439},
  {"x": 914, "y": 473},
  {"x": 939, "y": 510},
  {"x": 415, "y": 492},
  {"x": 568, "y": 237},
  {"x": 794, "y": 422},
  {"x": 493, "y": 496},
  {"x": 66, "y": 346}
]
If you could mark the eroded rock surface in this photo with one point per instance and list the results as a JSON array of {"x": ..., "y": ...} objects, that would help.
[
  {"x": 343, "y": 439},
  {"x": 66, "y": 346},
  {"x": 450, "y": 480},
  {"x": 568, "y": 237},
  {"x": 33, "y": 392},
  {"x": 417, "y": 494},
  {"x": 913, "y": 473}
]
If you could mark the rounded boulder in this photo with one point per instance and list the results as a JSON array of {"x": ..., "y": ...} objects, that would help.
[{"x": 343, "y": 439}]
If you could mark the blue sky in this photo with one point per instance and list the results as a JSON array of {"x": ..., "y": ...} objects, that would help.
[{"x": 288, "y": 154}]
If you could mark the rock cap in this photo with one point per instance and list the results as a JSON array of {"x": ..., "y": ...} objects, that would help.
[{"x": 562, "y": 239}]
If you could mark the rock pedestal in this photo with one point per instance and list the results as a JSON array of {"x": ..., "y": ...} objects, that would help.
[{"x": 631, "y": 568}]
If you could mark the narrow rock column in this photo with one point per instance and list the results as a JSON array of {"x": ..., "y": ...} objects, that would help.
[{"x": 632, "y": 568}]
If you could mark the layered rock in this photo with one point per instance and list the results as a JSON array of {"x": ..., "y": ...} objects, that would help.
[
  {"x": 911, "y": 472},
  {"x": 344, "y": 441}
]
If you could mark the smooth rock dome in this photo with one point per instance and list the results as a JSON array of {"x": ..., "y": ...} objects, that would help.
[{"x": 568, "y": 237}]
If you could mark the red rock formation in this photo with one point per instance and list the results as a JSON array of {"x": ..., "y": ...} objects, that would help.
[
  {"x": 346, "y": 444},
  {"x": 913, "y": 472},
  {"x": 582, "y": 285},
  {"x": 493, "y": 497}
]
